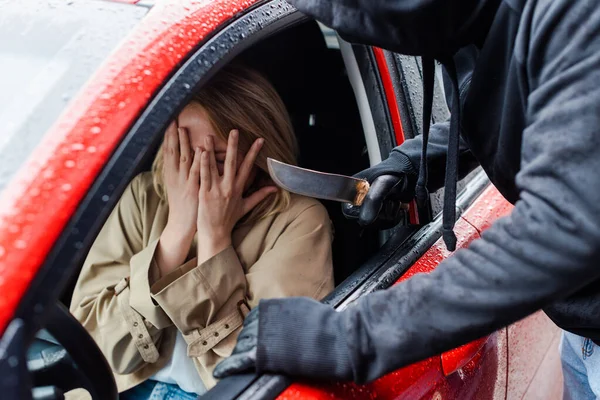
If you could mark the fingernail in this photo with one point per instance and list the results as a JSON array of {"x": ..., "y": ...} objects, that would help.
[
  {"x": 261, "y": 142},
  {"x": 235, "y": 133}
]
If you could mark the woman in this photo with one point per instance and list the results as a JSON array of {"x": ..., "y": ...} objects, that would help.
[{"x": 197, "y": 242}]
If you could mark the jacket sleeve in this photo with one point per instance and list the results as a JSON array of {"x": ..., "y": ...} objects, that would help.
[
  {"x": 437, "y": 147},
  {"x": 405, "y": 160},
  {"x": 112, "y": 298},
  {"x": 208, "y": 302},
  {"x": 547, "y": 248}
]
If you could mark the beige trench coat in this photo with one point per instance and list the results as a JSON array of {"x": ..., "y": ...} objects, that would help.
[{"x": 133, "y": 318}]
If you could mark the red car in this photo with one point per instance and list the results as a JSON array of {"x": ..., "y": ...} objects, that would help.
[{"x": 88, "y": 88}]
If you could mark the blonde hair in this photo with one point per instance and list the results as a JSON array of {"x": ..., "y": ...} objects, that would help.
[{"x": 240, "y": 98}]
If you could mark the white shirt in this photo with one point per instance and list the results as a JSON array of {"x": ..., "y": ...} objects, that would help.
[{"x": 180, "y": 370}]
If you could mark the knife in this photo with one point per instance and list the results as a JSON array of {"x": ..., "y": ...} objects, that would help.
[{"x": 341, "y": 188}]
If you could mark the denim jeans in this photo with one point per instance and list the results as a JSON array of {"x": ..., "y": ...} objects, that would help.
[
  {"x": 153, "y": 390},
  {"x": 581, "y": 367}
]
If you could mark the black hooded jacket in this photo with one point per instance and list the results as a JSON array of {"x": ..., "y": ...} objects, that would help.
[{"x": 529, "y": 85}]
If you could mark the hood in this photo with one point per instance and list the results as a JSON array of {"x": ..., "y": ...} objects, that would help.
[{"x": 433, "y": 28}]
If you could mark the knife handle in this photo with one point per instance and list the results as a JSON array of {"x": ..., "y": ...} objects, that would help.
[{"x": 392, "y": 213}]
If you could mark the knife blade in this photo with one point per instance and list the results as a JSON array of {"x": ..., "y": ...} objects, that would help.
[{"x": 320, "y": 185}]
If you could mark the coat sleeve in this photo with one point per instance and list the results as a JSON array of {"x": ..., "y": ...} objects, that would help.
[
  {"x": 546, "y": 249},
  {"x": 405, "y": 160},
  {"x": 112, "y": 298},
  {"x": 208, "y": 302}
]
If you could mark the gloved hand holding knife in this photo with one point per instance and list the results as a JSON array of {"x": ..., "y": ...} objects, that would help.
[{"x": 373, "y": 197}]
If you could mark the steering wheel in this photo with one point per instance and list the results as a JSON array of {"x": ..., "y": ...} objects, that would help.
[{"x": 67, "y": 359}]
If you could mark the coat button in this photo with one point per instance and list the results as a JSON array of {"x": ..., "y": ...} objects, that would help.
[
  {"x": 216, "y": 334},
  {"x": 146, "y": 346},
  {"x": 140, "y": 336},
  {"x": 204, "y": 343},
  {"x": 226, "y": 326},
  {"x": 135, "y": 324}
]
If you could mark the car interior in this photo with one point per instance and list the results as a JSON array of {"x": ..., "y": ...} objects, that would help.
[
  {"x": 305, "y": 65},
  {"x": 310, "y": 76}
]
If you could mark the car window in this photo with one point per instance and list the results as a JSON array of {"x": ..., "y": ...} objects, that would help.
[{"x": 49, "y": 49}]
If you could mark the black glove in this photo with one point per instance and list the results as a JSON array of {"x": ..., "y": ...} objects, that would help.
[
  {"x": 391, "y": 186},
  {"x": 382, "y": 207},
  {"x": 243, "y": 358}
]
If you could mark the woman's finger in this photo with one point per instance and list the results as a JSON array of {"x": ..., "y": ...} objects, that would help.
[
  {"x": 231, "y": 157},
  {"x": 194, "y": 176},
  {"x": 185, "y": 157},
  {"x": 170, "y": 144},
  {"x": 248, "y": 162},
  {"x": 205, "y": 182},
  {"x": 252, "y": 201},
  {"x": 212, "y": 161}
]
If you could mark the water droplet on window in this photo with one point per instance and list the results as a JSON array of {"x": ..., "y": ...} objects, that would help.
[
  {"x": 20, "y": 244},
  {"x": 105, "y": 198},
  {"x": 77, "y": 146},
  {"x": 69, "y": 163},
  {"x": 147, "y": 72},
  {"x": 95, "y": 130},
  {"x": 91, "y": 149},
  {"x": 122, "y": 104},
  {"x": 186, "y": 85},
  {"x": 66, "y": 187}
]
